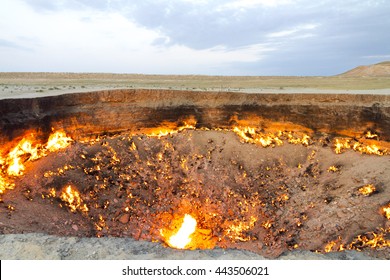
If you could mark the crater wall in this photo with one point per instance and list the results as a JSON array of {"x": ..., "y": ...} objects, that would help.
[{"x": 110, "y": 111}]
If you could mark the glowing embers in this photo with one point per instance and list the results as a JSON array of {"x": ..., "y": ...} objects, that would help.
[
  {"x": 371, "y": 240},
  {"x": 169, "y": 128},
  {"x": 367, "y": 190},
  {"x": 129, "y": 181},
  {"x": 72, "y": 198},
  {"x": 374, "y": 240},
  {"x": 236, "y": 230},
  {"x": 266, "y": 139}
]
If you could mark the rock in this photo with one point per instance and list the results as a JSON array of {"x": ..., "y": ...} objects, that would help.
[
  {"x": 79, "y": 115},
  {"x": 124, "y": 219},
  {"x": 35, "y": 246}
]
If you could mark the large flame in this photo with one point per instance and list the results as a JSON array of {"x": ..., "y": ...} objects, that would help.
[
  {"x": 28, "y": 149},
  {"x": 182, "y": 238}
]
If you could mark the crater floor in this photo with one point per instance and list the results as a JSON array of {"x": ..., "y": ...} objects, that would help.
[{"x": 270, "y": 201}]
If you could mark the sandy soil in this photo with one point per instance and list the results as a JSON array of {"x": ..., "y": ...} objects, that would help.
[
  {"x": 48, "y": 247},
  {"x": 20, "y": 85}
]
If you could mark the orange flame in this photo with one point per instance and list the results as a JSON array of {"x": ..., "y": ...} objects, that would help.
[
  {"x": 342, "y": 144},
  {"x": 371, "y": 135},
  {"x": 236, "y": 230},
  {"x": 371, "y": 239},
  {"x": 14, "y": 160},
  {"x": 367, "y": 190},
  {"x": 386, "y": 211},
  {"x": 72, "y": 197},
  {"x": 13, "y": 163},
  {"x": 57, "y": 141}
]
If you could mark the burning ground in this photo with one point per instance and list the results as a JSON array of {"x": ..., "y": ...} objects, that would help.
[{"x": 268, "y": 192}]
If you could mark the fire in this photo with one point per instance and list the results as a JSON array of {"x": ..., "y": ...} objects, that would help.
[
  {"x": 13, "y": 162},
  {"x": 371, "y": 239},
  {"x": 14, "y": 159},
  {"x": 254, "y": 136},
  {"x": 57, "y": 141},
  {"x": 169, "y": 128},
  {"x": 333, "y": 169},
  {"x": 236, "y": 230},
  {"x": 342, "y": 144},
  {"x": 4, "y": 185},
  {"x": 72, "y": 197},
  {"x": 371, "y": 135},
  {"x": 367, "y": 190},
  {"x": 182, "y": 238},
  {"x": 386, "y": 211},
  {"x": 329, "y": 246},
  {"x": 251, "y": 135}
]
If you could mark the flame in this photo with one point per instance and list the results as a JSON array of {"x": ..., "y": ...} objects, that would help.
[
  {"x": 367, "y": 190},
  {"x": 72, "y": 197},
  {"x": 168, "y": 128},
  {"x": 371, "y": 135},
  {"x": 251, "y": 135},
  {"x": 254, "y": 136},
  {"x": 57, "y": 141},
  {"x": 386, "y": 211},
  {"x": 5, "y": 185},
  {"x": 329, "y": 246},
  {"x": 13, "y": 163},
  {"x": 333, "y": 169},
  {"x": 371, "y": 239},
  {"x": 182, "y": 238},
  {"x": 236, "y": 230},
  {"x": 342, "y": 144},
  {"x": 14, "y": 160}
]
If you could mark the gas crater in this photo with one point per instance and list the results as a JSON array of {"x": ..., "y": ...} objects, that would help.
[{"x": 200, "y": 170}]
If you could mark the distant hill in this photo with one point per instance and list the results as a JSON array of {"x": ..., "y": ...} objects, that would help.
[{"x": 381, "y": 69}]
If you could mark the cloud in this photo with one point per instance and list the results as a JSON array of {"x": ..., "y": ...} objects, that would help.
[
  {"x": 232, "y": 36},
  {"x": 292, "y": 31},
  {"x": 247, "y": 4},
  {"x": 10, "y": 44}
]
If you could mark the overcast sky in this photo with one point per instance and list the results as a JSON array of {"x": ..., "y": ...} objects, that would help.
[{"x": 232, "y": 37}]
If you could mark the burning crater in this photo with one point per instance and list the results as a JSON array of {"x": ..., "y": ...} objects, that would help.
[{"x": 194, "y": 170}]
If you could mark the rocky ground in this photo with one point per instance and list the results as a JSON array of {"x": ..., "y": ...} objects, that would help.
[
  {"x": 35, "y": 246},
  {"x": 244, "y": 196}
]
